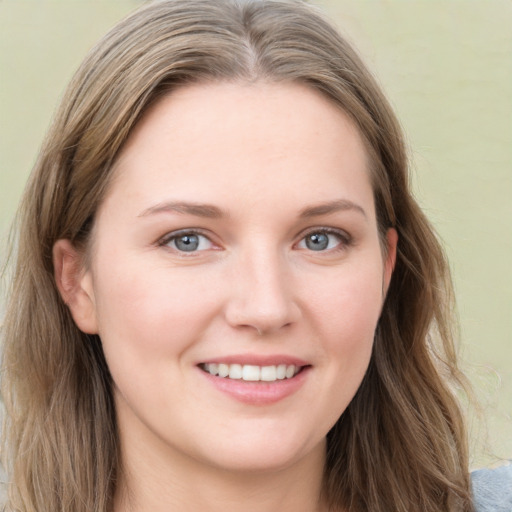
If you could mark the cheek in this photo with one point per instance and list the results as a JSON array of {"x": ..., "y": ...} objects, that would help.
[
  {"x": 148, "y": 311},
  {"x": 349, "y": 305},
  {"x": 148, "y": 321},
  {"x": 345, "y": 318}
]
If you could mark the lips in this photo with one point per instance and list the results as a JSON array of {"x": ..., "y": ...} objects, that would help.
[{"x": 256, "y": 380}]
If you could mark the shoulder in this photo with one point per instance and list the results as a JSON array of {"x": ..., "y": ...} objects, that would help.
[{"x": 492, "y": 489}]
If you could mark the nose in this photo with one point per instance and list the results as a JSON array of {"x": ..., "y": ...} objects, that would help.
[{"x": 262, "y": 294}]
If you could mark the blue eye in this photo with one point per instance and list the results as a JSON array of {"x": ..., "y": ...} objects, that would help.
[
  {"x": 321, "y": 241},
  {"x": 188, "y": 242}
]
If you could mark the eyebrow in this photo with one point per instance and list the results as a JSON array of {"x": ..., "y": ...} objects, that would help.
[
  {"x": 198, "y": 209},
  {"x": 213, "y": 212},
  {"x": 331, "y": 207}
]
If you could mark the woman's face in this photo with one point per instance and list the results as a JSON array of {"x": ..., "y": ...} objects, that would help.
[{"x": 239, "y": 236}]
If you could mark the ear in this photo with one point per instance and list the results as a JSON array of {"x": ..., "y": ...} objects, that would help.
[
  {"x": 75, "y": 285},
  {"x": 389, "y": 264}
]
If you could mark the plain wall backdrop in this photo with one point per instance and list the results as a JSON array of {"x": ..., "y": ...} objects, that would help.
[{"x": 446, "y": 66}]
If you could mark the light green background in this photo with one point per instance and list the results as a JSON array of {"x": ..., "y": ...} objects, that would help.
[{"x": 447, "y": 69}]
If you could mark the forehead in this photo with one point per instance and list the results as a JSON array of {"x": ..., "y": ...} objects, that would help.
[{"x": 251, "y": 138}]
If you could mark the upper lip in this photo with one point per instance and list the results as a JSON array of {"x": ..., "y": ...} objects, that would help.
[{"x": 257, "y": 360}]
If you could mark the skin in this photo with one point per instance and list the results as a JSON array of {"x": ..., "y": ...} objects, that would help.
[{"x": 253, "y": 288}]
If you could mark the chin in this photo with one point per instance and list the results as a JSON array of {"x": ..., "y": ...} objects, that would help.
[
  {"x": 255, "y": 463},
  {"x": 265, "y": 454}
]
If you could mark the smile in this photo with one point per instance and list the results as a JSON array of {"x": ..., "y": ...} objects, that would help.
[{"x": 252, "y": 373}]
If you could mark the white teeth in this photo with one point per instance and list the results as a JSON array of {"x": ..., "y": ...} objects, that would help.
[
  {"x": 253, "y": 373},
  {"x": 235, "y": 371},
  {"x": 223, "y": 370},
  {"x": 290, "y": 371},
  {"x": 269, "y": 373}
]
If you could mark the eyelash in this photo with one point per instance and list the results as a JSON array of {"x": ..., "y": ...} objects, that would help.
[
  {"x": 168, "y": 238},
  {"x": 345, "y": 240}
]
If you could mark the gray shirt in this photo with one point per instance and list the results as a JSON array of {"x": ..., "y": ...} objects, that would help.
[{"x": 492, "y": 489}]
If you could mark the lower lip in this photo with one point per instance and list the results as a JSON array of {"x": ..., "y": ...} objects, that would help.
[{"x": 258, "y": 393}]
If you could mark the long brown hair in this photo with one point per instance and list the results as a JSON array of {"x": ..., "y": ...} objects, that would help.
[{"x": 400, "y": 445}]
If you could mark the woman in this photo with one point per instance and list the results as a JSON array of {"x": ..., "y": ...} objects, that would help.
[{"x": 225, "y": 293}]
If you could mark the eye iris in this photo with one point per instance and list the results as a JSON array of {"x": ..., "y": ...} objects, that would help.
[
  {"x": 187, "y": 243},
  {"x": 317, "y": 241}
]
